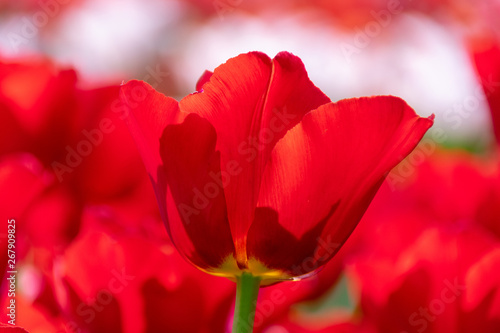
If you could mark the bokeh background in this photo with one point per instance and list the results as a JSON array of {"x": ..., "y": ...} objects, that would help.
[{"x": 91, "y": 252}]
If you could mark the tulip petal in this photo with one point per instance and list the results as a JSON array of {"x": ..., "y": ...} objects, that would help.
[
  {"x": 252, "y": 101},
  {"x": 199, "y": 226},
  {"x": 337, "y": 157},
  {"x": 147, "y": 112}
]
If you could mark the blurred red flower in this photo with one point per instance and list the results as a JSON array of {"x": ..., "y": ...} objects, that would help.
[
  {"x": 426, "y": 261},
  {"x": 64, "y": 150},
  {"x": 12, "y": 329},
  {"x": 436, "y": 270},
  {"x": 443, "y": 281},
  {"x": 127, "y": 290},
  {"x": 259, "y": 170},
  {"x": 71, "y": 130},
  {"x": 486, "y": 57},
  {"x": 55, "y": 145}
]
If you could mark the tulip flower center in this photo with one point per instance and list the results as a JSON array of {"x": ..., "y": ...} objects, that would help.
[{"x": 230, "y": 269}]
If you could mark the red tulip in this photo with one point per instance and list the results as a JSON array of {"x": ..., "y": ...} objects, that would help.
[{"x": 258, "y": 171}]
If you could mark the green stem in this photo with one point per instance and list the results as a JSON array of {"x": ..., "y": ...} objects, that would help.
[{"x": 247, "y": 289}]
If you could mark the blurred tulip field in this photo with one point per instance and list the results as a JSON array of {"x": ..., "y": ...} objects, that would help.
[{"x": 96, "y": 113}]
